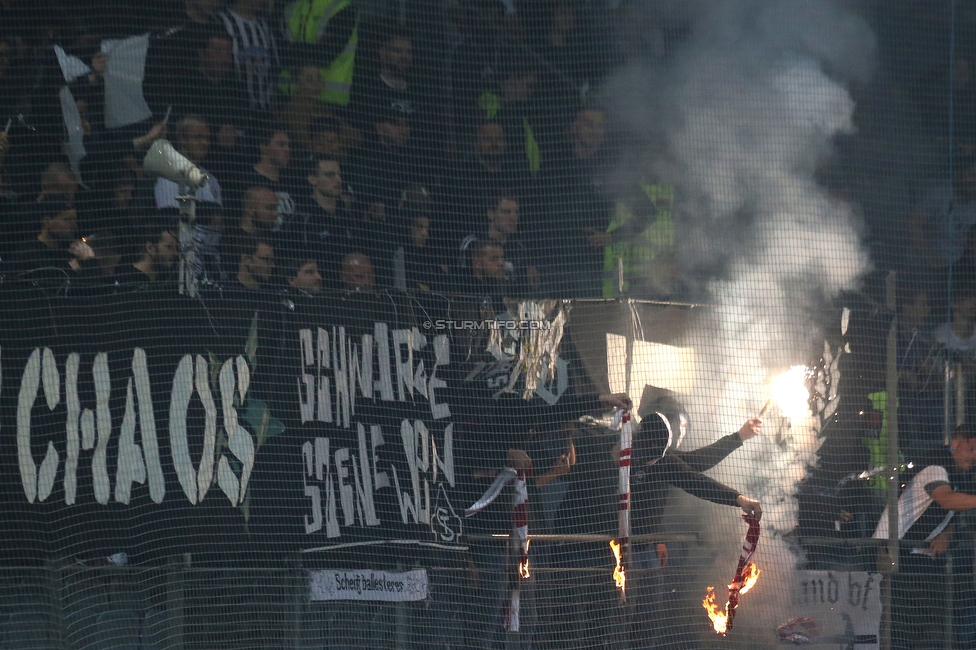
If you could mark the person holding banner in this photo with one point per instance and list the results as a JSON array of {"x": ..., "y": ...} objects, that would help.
[{"x": 497, "y": 440}]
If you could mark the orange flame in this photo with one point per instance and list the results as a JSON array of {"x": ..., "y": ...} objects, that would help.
[
  {"x": 750, "y": 576},
  {"x": 523, "y": 569},
  {"x": 720, "y": 616},
  {"x": 619, "y": 577}
]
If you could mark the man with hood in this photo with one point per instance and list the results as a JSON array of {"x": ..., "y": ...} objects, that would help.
[{"x": 655, "y": 465}]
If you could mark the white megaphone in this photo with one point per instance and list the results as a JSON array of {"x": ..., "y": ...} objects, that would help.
[{"x": 164, "y": 161}]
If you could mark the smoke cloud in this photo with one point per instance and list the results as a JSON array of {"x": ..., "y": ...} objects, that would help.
[{"x": 739, "y": 113}]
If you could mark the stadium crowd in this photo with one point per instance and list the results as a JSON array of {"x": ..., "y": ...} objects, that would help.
[{"x": 335, "y": 160}]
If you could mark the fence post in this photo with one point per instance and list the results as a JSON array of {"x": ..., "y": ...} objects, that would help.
[
  {"x": 301, "y": 588},
  {"x": 949, "y": 637},
  {"x": 399, "y": 620},
  {"x": 174, "y": 600},
  {"x": 890, "y": 567}
]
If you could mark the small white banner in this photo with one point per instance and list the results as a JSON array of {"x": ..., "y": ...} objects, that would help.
[
  {"x": 339, "y": 584},
  {"x": 846, "y": 607}
]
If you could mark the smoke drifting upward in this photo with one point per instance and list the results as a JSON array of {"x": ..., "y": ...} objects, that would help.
[{"x": 738, "y": 115}]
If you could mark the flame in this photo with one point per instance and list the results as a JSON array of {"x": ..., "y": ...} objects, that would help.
[
  {"x": 523, "y": 569},
  {"x": 720, "y": 620},
  {"x": 791, "y": 394},
  {"x": 750, "y": 576},
  {"x": 720, "y": 616},
  {"x": 619, "y": 577}
]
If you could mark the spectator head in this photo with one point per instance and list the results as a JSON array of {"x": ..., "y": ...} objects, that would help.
[
  {"x": 562, "y": 20},
  {"x": 59, "y": 221},
  {"x": 123, "y": 189},
  {"x": 418, "y": 228},
  {"x": 393, "y": 126},
  {"x": 308, "y": 82},
  {"x": 58, "y": 182},
  {"x": 519, "y": 81},
  {"x": 193, "y": 138},
  {"x": 487, "y": 261},
  {"x": 963, "y": 301},
  {"x": 588, "y": 132},
  {"x": 160, "y": 248},
  {"x": 260, "y": 210},
  {"x": 503, "y": 213},
  {"x": 325, "y": 134},
  {"x": 216, "y": 55},
  {"x": 396, "y": 52},
  {"x": 490, "y": 140},
  {"x": 964, "y": 178},
  {"x": 326, "y": 176},
  {"x": 274, "y": 146},
  {"x": 6, "y": 54},
  {"x": 255, "y": 261},
  {"x": 357, "y": 273},
  {"x": 964, "y": 446},
  {"x": 201, "y": 11},
  {"x": 302, "y": 274},
  {"x": 652, "y": 440}
]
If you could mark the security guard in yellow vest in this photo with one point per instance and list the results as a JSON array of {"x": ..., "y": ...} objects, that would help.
[
  {"x": 637, "y": 245},
  {"x": 325, "y": 24}
]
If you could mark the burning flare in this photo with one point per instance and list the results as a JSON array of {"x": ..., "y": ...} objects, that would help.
[
  {"x": 523, "y": 569},
  {"x": 791, "y": 394},
  {"x": 720, "y": 616},
  {"x": 619, "y": 577}
]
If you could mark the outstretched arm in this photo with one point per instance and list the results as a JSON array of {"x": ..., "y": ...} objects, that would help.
[
  {"x": 678, "y": 474},
  {"x": 707, "y": 457}
]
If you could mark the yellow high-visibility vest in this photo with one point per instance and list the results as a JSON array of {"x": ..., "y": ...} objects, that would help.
[
  {"x": 307, "y": 20},
  {"x": 635, "y": 253}
]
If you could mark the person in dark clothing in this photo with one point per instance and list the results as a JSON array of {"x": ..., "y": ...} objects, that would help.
[
  {"x": 205, "y": 86},
  {"x": 932, "y": 495},
  {"x": 271, "y": 169},
  {"x": 48, "y": 251},
  {"x": 156, "y": 259},
  {"x": 654, "y": 468},
  {"x": 497, "y": 433},
  {"x": 323, "y": 223}
]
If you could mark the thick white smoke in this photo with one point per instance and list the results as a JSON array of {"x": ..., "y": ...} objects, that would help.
[{"x": 742, "y": 112}]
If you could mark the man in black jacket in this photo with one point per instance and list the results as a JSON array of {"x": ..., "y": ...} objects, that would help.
[{"x": 654, "y": 468}]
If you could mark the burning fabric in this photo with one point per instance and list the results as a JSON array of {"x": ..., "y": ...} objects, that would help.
[
  {"x": 519, "y": 540},
  {"x": 746, "y": 576}
]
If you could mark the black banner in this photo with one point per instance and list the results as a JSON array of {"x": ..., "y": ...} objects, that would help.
[{"x": 238, "y": 430}]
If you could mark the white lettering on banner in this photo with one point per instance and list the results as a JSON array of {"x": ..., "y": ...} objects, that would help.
[
  {"x": 358, "y": 477},
  {"x": 846, "y": 604},
  {"x": 137, "y": 462},
  {"x": 335, "y": 371},
  {"x": 332, "y": 398},
  {"x": 195, "y": 483},
  {"x": 239, "y": 441},
  {"x": 368, "y": 585}
]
